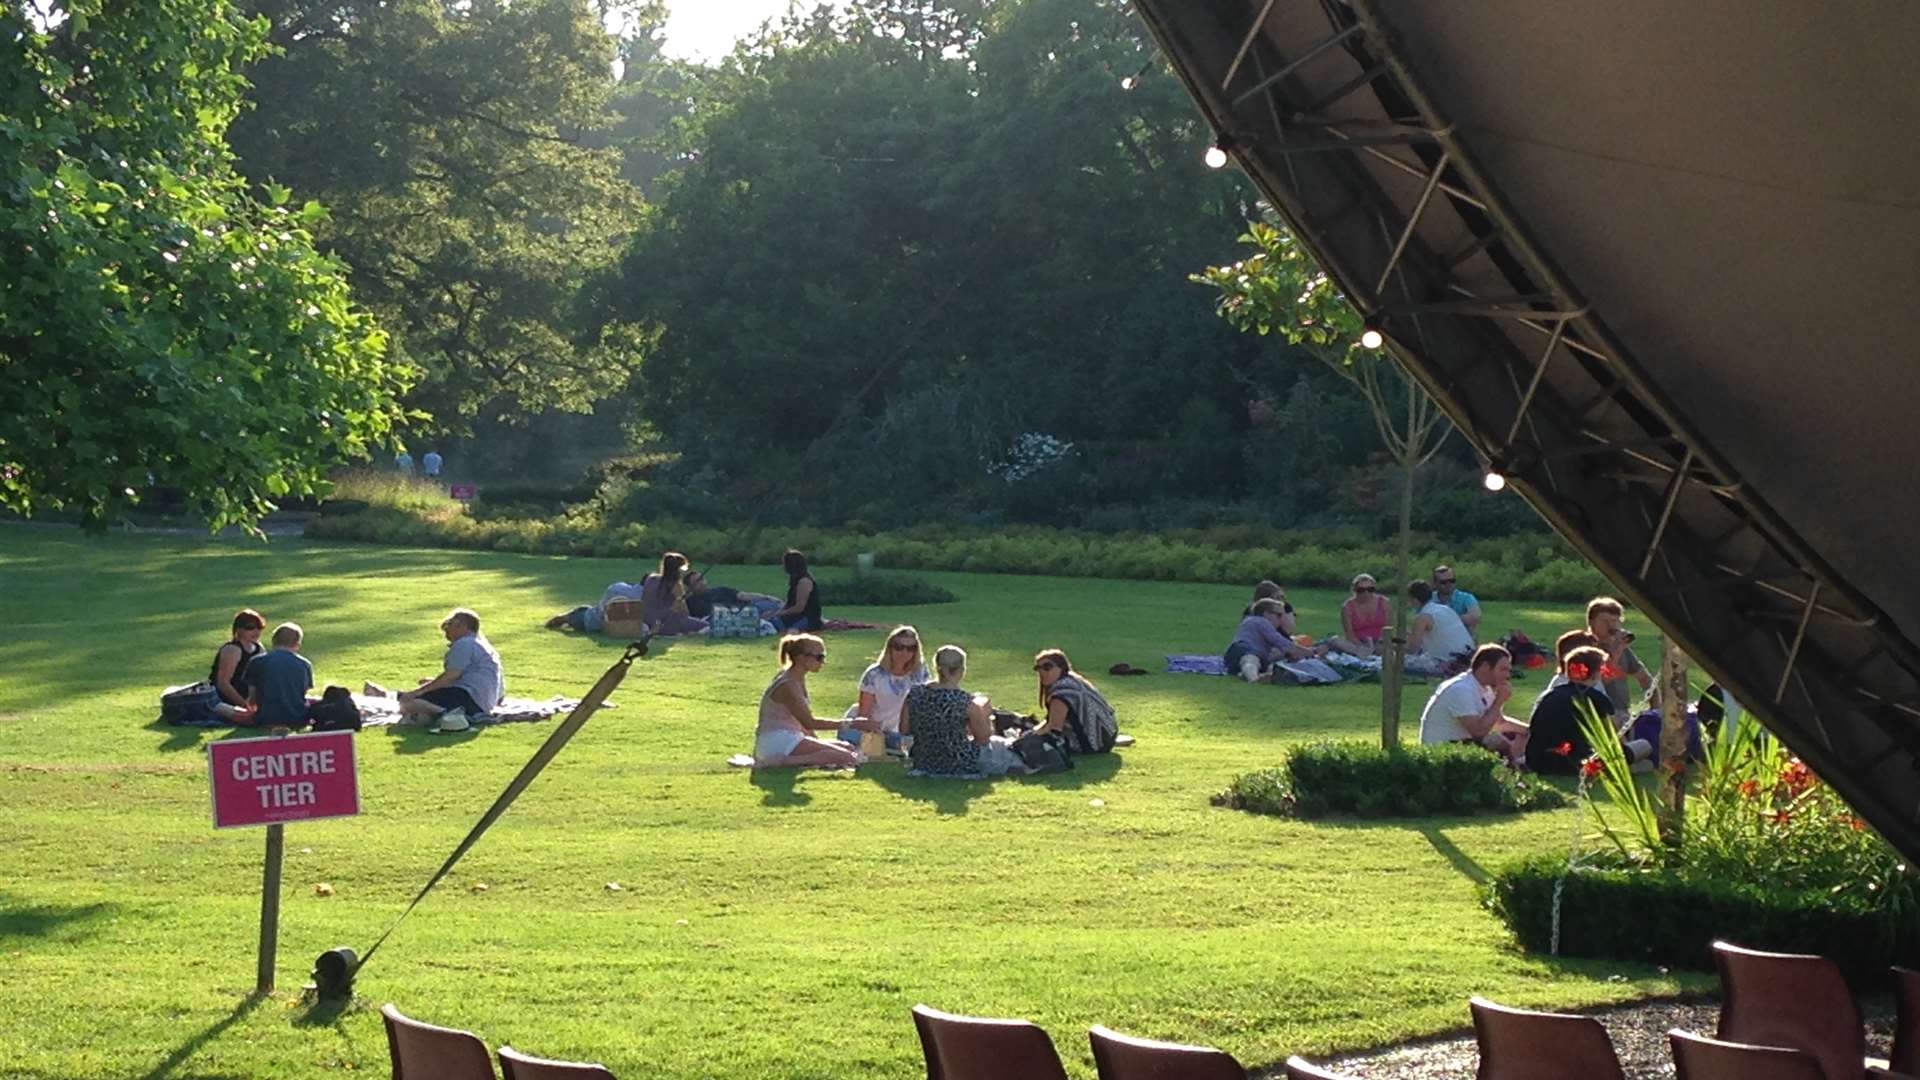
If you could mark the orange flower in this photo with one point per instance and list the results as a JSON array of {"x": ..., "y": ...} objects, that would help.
[
  {"x": 1796, "y": 776},
  {"x": 1857, "y": 825},
  {"x": 1781, "y": 817},
  {"x": 1592, "y": 767},
  {"x": 1749, "y": 788}
]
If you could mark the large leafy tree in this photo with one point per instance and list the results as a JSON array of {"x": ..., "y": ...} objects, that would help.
[
  {"x": 159, "y": 325},
  {"x": 460, "y": 145}
]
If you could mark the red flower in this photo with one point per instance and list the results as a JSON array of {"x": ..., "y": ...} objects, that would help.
[
  {"x": 1592, "y": 767},
  {"x": 1796, "y": 776},
  {"x": 1610, "y": 672},
  {"x": 1564, "y": 749},
  {"x": 1857, "y": 825},
  {"x": 1781, "y": 817},
  {"x": 1749, "y": 788},
  {"x": 1579, "y": 672}
]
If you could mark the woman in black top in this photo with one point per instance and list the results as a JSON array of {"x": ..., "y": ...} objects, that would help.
[
  {"x": 802, "y": 609},
  {"x": 229, "y": 672}
]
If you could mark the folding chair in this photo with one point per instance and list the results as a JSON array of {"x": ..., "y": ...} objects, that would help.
[
  {"x": 515, "y": 1065},
  {"x": 975, "y": 1048},
  {"x": 1793, "y": 1000},
  {"x": 1123, "y": 1057},
  {"x": 430, "y": 1052},
  {"x": 1696, "y": 1057},
  {"x": 1518, "y": 1044}
]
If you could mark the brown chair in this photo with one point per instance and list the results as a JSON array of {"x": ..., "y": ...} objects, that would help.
[
  {"x": 1123, "y": 1057},
  {"x": 1696, "y": 1057},
  {"x": 429, "y": 1052},
  {"x": 1518, "y": 1044},
  {"x": 1792, "y": 1000},
  {"x": 974, "y": 1048},
  {"x": 1906, "y": 1029},
  {"x": 515, "y": 1065},
  {"x": 1299, "y": 1068}
]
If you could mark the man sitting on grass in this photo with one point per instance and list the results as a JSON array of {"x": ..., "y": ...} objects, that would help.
[
  {"x": 469, "y": 685},
  {"x": 1558, "y": 733},
  {"x": 1467, "y": 707},
  {"x": 278, "y": 681},
  {"x": 1260, "y": 640}
]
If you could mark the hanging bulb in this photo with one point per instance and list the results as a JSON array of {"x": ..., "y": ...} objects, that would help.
[
  {"x": 1371, "y": 338},
  {"x": 1129, "y": 82},
  {"x": 1495, "y": 481},
  {"x": 1216, "y": 157}
]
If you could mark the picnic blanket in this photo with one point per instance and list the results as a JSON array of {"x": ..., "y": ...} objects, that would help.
[
  {"x": 847, "y": 624},
  {"x": 1196, "y": 664},
  {"x": 381, "y": 711}
]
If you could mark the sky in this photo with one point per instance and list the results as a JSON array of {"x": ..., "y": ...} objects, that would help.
[{"x": 707, "y": 29}]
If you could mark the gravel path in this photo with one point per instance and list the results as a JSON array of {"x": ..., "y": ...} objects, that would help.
[{"x": 1639, "y": 1037}]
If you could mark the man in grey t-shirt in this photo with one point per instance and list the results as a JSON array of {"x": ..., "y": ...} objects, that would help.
[
  {"x": 1604, "y": 615},
  {"x": 469, "y": 685}
]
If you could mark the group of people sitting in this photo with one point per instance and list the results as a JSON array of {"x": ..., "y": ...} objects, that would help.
[
  {"x": 945, "y": 730},
  {"x": 676, "y": 599},
  {"x": 1597, "y": 672},
  {"x": 266, "y": 688},
  {"x": 1439, "y": 641}
]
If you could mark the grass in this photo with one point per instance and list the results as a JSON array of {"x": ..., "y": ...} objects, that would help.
[{"x": 767, "y": 925}]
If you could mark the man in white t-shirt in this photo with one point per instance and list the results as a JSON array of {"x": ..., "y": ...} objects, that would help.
[
  {"x": 1467, "y": 707},
  {"x": 1438, "y": 641}
]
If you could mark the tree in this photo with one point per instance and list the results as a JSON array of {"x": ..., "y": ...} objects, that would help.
[
  {"x": 460, "y": 145},
  {"x": 1281, "y": 289},
  {"x": 159, "y": 325}
]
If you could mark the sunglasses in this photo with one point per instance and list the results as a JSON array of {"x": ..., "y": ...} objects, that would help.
[
  {"x": 1443, "y": 581},
  {"x": 1364, "y": 589},
  {"x": 815, "y": 655},
  {"x": 903, "y": 646},
  {"x": 1043, "y": 667}
]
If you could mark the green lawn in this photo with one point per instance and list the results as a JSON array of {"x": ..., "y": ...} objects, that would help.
[{"x": 770, "y": 925}]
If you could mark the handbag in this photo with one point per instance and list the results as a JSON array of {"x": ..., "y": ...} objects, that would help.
[
  {"x": 1043, "y": 752},
  {"x": 335, "y": 711},
  {"x": 190, "y": 706}
]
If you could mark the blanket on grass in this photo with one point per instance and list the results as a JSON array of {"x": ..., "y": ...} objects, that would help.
[
  {"x": 1196, "y": 664},
  {"x": 381, "y": 711}
]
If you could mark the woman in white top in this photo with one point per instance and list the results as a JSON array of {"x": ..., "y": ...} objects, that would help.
[
  {"x": 1438, "y": 642},
  {"x": 783, "y": 737},
  {"x": 885, "y": 684}
]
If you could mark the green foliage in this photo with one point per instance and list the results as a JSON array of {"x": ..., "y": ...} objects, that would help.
[
  {"x": 461, "y": 149},
  {"x": 882, "y": 590},
  {"x": 1231, "y": 554},
  {"x": 159, "y": 326},
  {"x": 1363, "y": 780},
  {"x": 1655, "y": 916}
]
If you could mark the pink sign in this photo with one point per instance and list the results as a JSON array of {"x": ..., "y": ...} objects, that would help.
[
  {"x": 463, "y": 492},
  {"x": 269, "y": 780}
]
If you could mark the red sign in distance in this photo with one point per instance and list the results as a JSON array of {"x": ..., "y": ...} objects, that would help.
[
  {"x": 463, "y": 492},
  {"x": 271, "y": 780}
]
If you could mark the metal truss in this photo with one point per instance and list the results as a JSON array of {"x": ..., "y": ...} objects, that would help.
[{"x": 1321, "y": 109}]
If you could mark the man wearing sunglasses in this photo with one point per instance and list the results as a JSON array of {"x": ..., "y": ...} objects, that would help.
[{"x": 1464, "y": 604}]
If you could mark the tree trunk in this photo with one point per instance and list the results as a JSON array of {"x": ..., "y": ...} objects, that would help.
[
  {"x": 1670, "y": 695},
  {"x": 1390, "y": 667}
]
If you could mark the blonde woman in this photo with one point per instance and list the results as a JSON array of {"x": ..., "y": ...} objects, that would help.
[
  {"x": 885, "y": 684},
  {"x": 784, "y": 737},
  {"x": 1363, "y": 619},
  {"x": 952, "y": 730}
]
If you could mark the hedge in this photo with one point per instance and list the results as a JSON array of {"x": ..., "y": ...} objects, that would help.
[
  {"x": 1658, "y": 917},
  {"x": 1530, "y": 567},
  {"x": 1364, "y": 780}
]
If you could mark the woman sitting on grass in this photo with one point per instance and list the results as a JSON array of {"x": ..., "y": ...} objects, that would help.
[
  {"x": 229, "y": 673},
  {"x": 663, "y": 599},
  {"x": 802, "y": 609},
  {"x": 1363, "y": 619},
  {"x": 885, "y": 684},
  {"x": 1074, "y": 706},
  {"x": 952, "y": 730},
  {"x": 784, "y": 736}
]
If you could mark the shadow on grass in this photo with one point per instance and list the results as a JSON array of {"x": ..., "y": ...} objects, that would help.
[
  {"x": 326, "y": 1012},
  {"x": 418, "y": 738},
  {"x": 1460, "y": 860},
  {"x": 779, "y": 787},
  {"x": 953, "y": 796},
  {"x": 43, "y": 920},
  {"x": 211, "y": 1032}
]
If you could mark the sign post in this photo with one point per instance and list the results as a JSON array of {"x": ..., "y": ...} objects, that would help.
[{"x": 271, "y": 781}]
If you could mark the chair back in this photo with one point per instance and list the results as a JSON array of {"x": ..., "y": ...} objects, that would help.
[
  {"x": 1906, "y": 1029},
  {"x": 975, "y": 1048},
  {"x": 1518, "y": 1044},
  {"x": 515, "y": 1065},
  {"x": 1696, "y": 1057},
  {"x": 1792, "y": 1000},
  {"x": 1299, "y": 1068},
  {"x": 1123, "y": 1057},
  {"x": 430, "y": 1052}
]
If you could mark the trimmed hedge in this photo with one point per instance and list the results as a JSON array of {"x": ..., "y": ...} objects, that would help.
[
  {"x": 882, "y": 590},
  {"x": 1530, "y": 567},
  {"x": 1364, "y": 780},
  {"x": 1658, "y": 917}
]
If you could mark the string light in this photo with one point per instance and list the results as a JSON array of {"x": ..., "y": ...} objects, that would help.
[
  {"x": 1494, "y": 481},
  {"x": 1216, "y": 157},
  {"x": 1371, "y": 338}
]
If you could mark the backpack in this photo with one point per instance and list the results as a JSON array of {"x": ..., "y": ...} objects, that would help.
[
  {"x": 190, "y": 706},
  {"x": 335, "y": 711},
  {"x": 1043, "y": 752}
]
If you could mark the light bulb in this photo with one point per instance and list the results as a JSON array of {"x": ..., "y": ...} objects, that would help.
[
  {"x": 1495, "y": 481},
  {"x": 1371, "y": 338},
  {"x": 1216, "y": 157},
  {"x": 1129, "y": 83}
]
